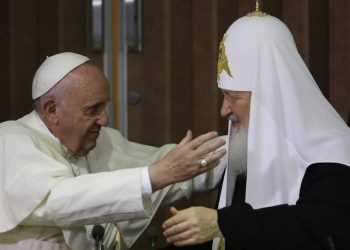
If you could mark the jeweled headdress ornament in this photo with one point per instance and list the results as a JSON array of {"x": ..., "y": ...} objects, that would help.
[{"x": 257, "y": 12}]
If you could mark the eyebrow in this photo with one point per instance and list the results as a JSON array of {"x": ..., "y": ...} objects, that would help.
[
  {"x": 225, "y": 91},
  {"x": 231, "y": 93},
  {"x": 97, "y": 103}
]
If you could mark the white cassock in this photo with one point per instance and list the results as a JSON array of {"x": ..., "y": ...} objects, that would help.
[{"x": 47, "y": 199}]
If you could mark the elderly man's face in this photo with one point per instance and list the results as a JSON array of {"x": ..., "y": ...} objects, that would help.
[
  {"x": 82, "y": 112},
  {"x": 236, "y": 106}
]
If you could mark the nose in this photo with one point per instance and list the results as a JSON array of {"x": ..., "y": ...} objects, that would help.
[
  {"x": 103, "y": 118},
  {"x": 225, "y": 108}
]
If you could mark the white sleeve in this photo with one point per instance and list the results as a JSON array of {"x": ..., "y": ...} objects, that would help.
[
  {"x": 132, "y": 229},
  {"x": 147, "y": 191},
  {"x": 94, "y": 199}
]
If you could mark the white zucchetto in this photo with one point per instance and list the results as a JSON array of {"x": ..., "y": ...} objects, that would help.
[{"x": 53, "y": 69}]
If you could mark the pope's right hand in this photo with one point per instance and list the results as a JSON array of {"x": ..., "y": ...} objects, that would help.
[{"x": 184, "y": 161}]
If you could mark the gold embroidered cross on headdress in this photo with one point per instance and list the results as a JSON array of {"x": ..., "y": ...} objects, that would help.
[{"x": 222, "y": 61}]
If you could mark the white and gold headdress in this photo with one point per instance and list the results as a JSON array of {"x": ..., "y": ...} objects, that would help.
[{"x": 291, "y": 123}]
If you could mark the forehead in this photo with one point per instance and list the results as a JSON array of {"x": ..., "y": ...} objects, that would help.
[
  {"x": 87, "y": 83},
  {"x": 87, "y": 77},
  {"x": 86, "y": 74}
]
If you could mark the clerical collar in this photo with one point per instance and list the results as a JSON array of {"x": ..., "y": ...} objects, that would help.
[
  {"x": 66, "y": 152},
  {"x": 43, "y": 126}
]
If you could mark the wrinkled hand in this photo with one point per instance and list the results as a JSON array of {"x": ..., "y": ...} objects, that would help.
[
  {"x": 183, "y": 162},
  {"x": 191, "y": 226}
]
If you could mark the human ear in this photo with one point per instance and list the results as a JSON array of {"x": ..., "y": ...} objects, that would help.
[{"x": 50, "y": 111}]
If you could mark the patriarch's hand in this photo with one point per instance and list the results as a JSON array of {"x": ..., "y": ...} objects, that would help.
[{"x": 191, "y": 226}]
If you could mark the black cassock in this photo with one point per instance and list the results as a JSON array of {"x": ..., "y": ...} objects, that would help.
[{"x": 320, "y": 220}]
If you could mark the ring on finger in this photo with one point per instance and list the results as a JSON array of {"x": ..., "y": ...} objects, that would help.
[{"x": 203, "y": 162}]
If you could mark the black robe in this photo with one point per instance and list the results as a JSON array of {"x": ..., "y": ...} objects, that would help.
[{"x": 320, "y": 220}]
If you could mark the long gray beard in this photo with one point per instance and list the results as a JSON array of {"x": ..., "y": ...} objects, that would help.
[{"x": 238, "y": 150}]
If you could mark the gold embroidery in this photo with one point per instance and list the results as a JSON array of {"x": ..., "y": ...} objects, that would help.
[
  {"x": 222, "y": 61},
  {"x": 257, "y": 12},
  {"x": 117, "y": 243},
  {"x": 221, "y": 245}
]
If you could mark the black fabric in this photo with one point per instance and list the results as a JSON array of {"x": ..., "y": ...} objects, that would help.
[
  {"x": 320, "y": 220},
  {"x": 239, "y": 193},
  {"x": 204, "y": 246}
]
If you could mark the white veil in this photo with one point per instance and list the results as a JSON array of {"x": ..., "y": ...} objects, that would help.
[{"x": 291, "y": 123}]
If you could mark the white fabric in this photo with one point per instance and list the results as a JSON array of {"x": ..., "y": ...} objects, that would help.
[
  {"x": 33, "y": 165},
  {"x": 291, "y": 124},
  {"x": 53, "y": 69},
  {"x": 224, "y": 188},
  {"x": 172, "y": 193},
  {"x": 230, "y": 176},
  {"x": 221, "y": 204},
  {"x": 146, "y": 182}
]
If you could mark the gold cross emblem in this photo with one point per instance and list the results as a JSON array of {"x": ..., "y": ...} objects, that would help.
[{"x": 222, "y": 61}]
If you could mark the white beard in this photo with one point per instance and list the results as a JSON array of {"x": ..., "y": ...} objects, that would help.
[{"x": 238, "y": 143}]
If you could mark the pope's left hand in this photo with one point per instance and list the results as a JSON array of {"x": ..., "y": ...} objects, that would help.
[{"x": 191, "y": 226}]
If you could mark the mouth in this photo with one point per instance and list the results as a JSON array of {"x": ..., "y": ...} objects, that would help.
[
  {"x": 235, "y": 121},
  {"x": 94, "y": 133},
  {"x": 235, "y": 124}
]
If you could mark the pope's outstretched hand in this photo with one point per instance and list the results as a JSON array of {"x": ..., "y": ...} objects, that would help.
[{"x": 187, "y": 160}]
